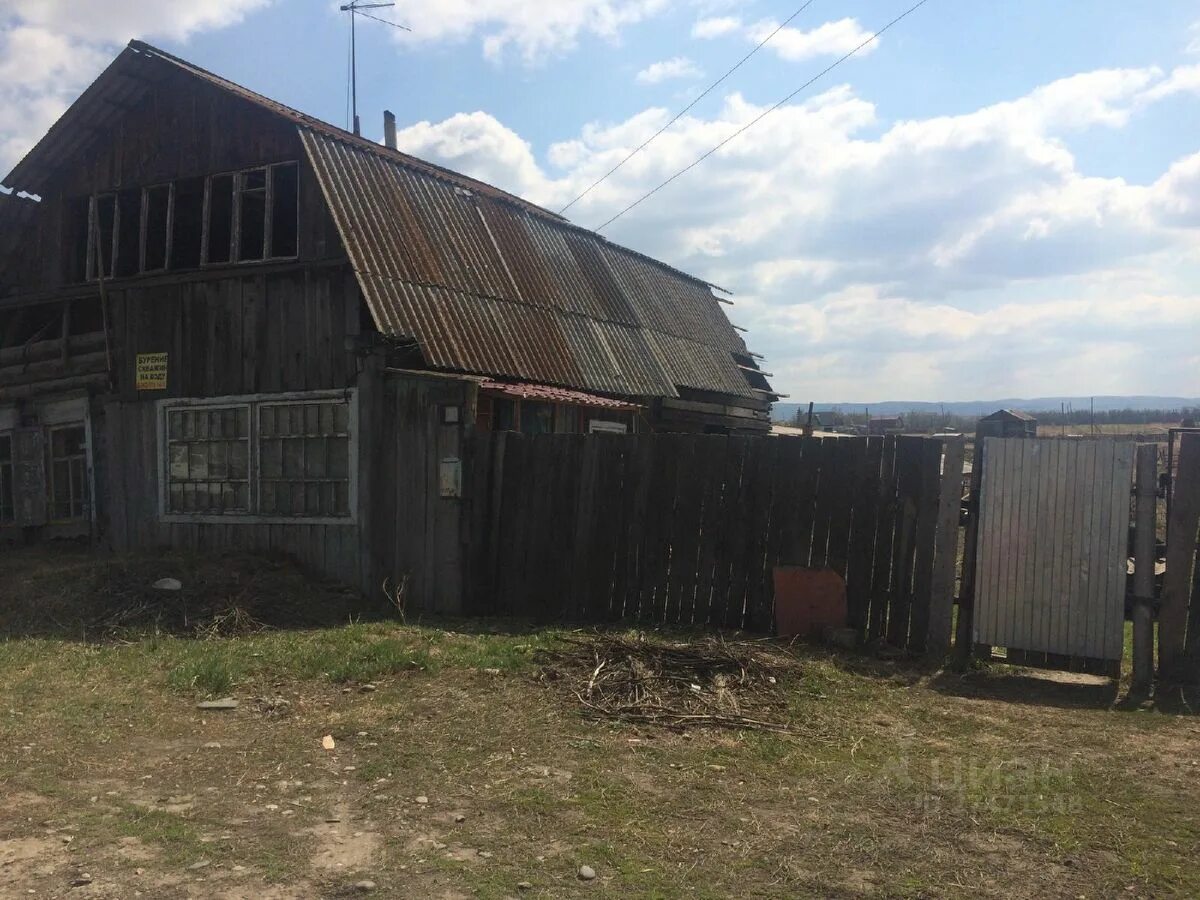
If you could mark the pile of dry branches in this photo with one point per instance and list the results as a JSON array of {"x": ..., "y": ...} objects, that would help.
[{"x": 707, "y": 682}]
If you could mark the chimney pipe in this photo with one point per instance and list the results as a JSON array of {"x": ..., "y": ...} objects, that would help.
[{"x": 389, "y": 129}]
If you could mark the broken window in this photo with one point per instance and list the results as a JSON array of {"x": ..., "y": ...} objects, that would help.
[
  {"x": 8, "y": 512},
  {"x": 537, "y": 418},
  {"x": 30, "y": 324},
  {"x": 76, "y": 232},
  {"x": 252, "y": 215},
  {"x": 285, "y": 210},
  {"x": 504, "y": 414},
  {"x": 218, "y": 240},
  {"x": 102, "y": 236},
  {"x": 156, "y": 227},
  {"x": 129, "y": 244},
  {"x": 187, "y": 224},
  {"x": 208, "y": 460},
  {"x": 85, "y": 316},
  {"x": 68, "y": 483},
  {"x": 304, "y": 459}
]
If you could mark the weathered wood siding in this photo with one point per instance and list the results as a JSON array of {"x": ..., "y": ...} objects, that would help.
[
  {"x": 1054, "y": 521},
  {"x": 184, "y": 128},
  {"x": 412, "y": 535},
  {"x": 404, "y": 532}
]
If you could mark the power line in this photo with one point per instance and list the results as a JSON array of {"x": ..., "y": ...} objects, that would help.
[
  {"x": 680, "y": 114},
  {"x": 764, "y": 114}
]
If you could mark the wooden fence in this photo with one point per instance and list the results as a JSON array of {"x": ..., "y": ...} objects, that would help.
[
  {"x": 1179, "y": 613},
  {"x": 686, "y": 529}
]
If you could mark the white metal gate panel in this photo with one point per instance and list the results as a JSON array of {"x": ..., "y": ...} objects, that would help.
[{"x": 1053, "y": 527}]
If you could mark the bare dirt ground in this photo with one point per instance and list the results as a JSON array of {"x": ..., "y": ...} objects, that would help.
[{"x": 459, "y": 769}]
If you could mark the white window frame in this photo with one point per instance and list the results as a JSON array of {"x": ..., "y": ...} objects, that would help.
[{"x": 255, "y": 402}]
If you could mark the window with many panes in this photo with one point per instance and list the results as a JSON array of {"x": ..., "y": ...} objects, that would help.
[
  {"x": 7, "y": 507},
  {"x": 272, "y": 458},
  {"x": 208, "y": 459},
  {"x": 68, "y": 481}
]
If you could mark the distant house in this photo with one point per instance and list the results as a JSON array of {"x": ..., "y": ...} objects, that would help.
[
  {"x": 1006, "y": 423},
  {"x": 885, "y": 424}
]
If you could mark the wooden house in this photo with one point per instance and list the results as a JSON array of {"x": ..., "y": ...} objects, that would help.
[
  {"x": 1006, "y": 423},
  {"x": 880, "y": 425},
  {"x": 224, "y": 322}
]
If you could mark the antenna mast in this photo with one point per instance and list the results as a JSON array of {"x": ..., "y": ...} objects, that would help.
[{"x": 353, "y": 7}]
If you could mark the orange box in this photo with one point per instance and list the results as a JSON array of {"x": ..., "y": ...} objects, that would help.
[{"x": 807, "y": 601}]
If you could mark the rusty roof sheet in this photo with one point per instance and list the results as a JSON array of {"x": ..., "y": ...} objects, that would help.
[
  {"x": 485, "y": 286},
  {"x": 524, "y": 391},
  {"x": 485, "y": 281}
]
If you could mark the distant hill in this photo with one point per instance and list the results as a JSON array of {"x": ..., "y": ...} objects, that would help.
[{"x": 782, "y": 411}]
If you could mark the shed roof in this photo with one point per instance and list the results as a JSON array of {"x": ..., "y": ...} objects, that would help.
[
  {"x": 485, "y": 281},
  {"x": 1009, "y": 414}
]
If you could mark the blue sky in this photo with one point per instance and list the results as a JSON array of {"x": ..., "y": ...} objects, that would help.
[{"x": 997, "y": 199}]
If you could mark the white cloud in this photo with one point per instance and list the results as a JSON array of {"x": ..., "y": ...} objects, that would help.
[
  {"x": 114, "y": 21},
  {"x": 797, "y": 45},
  {"x": 717, "y": 26},
  {"x": 534, "y": 31},
  {"x": 668, "y": 69},
  {"x": 951, "y": 257},
  {"x": 51, "y": 49}
]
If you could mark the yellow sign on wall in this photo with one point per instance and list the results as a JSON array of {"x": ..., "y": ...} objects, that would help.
[{"x": 152, "y": 371}]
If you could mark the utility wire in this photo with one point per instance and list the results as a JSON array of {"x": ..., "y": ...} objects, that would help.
[
  {"x": 680, "y": 114},
  {"x": 384, "y": 21},
  {"x": 764, "y": 114}
]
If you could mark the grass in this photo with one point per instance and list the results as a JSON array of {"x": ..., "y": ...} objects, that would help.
[{"x": 906, "y": 783}]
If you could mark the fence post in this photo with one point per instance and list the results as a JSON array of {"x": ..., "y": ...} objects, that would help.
[
  {"x": 963, "y": 634},
  {"x": 1143, "y": 572},
  {"x": 945, "y": 560},
  {"x": 1181, "y": 553}
]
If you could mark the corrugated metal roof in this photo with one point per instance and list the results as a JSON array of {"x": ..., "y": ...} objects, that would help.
[
  {"x": 485, "y": 286},
  {"x": 485, "y": 281}
]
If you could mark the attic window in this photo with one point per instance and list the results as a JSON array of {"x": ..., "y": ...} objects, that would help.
[
  {"x": 218, "y": 220},
  {"x": 103, "y": 219},
  {"x": 253, "y": 215},
  {"x": 187, "y": 223},
  {"x": 156, "y": 230}
]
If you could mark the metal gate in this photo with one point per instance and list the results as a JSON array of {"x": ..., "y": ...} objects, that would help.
[{"x": 1051, "y": 558}]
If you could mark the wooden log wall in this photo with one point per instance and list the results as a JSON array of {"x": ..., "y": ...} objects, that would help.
[{"x": 686, "y": 529}]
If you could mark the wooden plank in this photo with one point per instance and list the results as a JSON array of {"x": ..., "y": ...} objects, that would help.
[
  {"x": 684, "y": 532},
  {"x": 925, "y": 536},
  {"x": 908, "y": 479},
  {"x": 945, "y": 556},
  {"x": 731, "y": 480},
  {"x": 964, "y": 629},
  {"x": 1144, "y": 555},
  {"x": 584, "y": 528},
  {"x": 885, "y": 526},
  {"x": 716, "y": 450},
  {"x": 1173, "y": 616},
  {"x": 861, "y": 551}
]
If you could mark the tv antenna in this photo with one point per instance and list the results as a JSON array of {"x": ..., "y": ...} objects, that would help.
[{"x": 355, "y": 8}]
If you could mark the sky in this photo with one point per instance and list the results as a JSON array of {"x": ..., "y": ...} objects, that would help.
[{"x": 992, "y": 200}]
